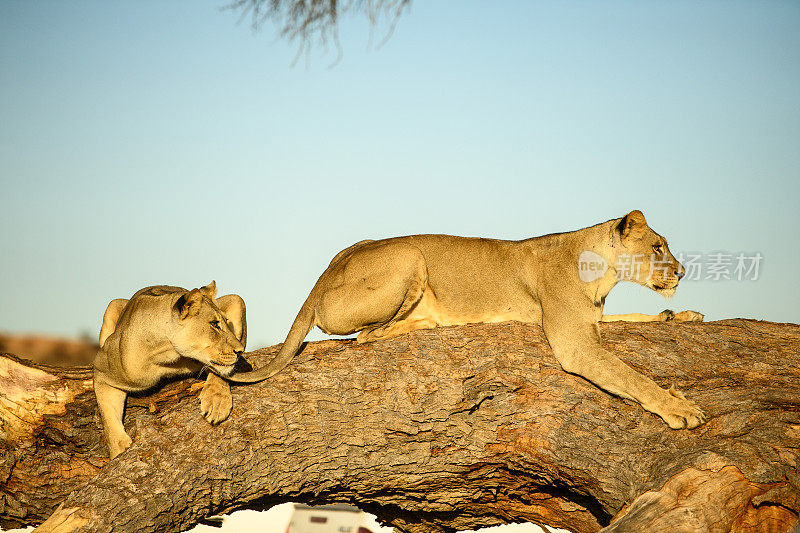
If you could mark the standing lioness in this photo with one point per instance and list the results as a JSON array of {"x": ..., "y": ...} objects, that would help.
[{"x": 389, "y": 287}]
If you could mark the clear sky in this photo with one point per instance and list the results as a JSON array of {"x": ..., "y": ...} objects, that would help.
[
  {"x": 148, "y": 143},
  {"x": 160, "y": 142}
]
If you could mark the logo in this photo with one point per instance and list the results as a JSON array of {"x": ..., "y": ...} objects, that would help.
[{"x": 591, "y": 266}]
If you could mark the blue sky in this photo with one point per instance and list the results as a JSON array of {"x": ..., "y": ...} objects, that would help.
[{"x": 162, "y": 142}]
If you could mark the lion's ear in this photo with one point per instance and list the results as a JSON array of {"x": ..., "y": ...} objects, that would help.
[
  {"x": 188, "y": 305},
  {"x": 632, "y": 225},
  {"x": 210, "y": 290}
]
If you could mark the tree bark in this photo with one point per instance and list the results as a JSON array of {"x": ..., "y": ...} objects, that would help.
[{"x": 434, "y": 431}]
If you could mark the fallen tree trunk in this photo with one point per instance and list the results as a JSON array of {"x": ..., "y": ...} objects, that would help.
[{"x": 434, "y": 431}]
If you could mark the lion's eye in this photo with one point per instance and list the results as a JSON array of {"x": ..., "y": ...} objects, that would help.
[
  {"x": 658, "y": 249},
  {"x": 215, "y": 324}
]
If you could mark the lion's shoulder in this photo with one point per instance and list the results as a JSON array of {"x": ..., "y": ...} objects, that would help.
[{"x": 158, "y": 290}]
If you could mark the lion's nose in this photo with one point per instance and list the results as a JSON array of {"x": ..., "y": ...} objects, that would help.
[
  {"x": 238, "y": 352},
  {"x": 680, "y": 274}
]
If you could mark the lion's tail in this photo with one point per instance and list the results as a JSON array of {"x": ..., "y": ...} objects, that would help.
[{"x": 297, "y": 333}]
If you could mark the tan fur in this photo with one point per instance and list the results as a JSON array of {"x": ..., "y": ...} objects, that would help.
[
  {"x": 162, "y": 332},
  {"x": 663, "y": 316},
  {"x": 389, "y": 287}
]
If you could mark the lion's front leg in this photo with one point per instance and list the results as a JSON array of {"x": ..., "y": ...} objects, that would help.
[
  {"x": 609, "y": 373},
  {"x": 216, "y": 401},
  {"x": 664, "y": 316},
  {"x": 111, "y": 402},
  {"x": 677, "y": 411},
  {"x": 578, "y": 350},
  {"x": 688, "y": 316}
]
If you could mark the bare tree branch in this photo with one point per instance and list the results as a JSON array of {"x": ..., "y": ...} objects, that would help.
[
  {"x": 434, "y": 431},
  {"x": 310, "y": 22}
]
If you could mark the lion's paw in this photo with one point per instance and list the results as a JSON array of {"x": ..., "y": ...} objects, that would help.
[
  {"x": 216, "y": 403},
  {"x": 688, "y": 316},
  {"x": 680, "y": 413},
  {"x": 118, "y": 444}
]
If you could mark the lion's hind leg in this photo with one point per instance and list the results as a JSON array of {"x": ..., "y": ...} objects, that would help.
[
  {"x": 376, "y": 287},
  {"x": 422, "y": 314}
]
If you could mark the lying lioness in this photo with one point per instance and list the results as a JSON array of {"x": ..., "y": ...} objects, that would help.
[
  {"x": 389, "y": 287},
  {"x": 163, "y": 332}
]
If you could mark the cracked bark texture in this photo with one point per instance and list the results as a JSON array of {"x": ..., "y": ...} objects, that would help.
[{"x": 434, "y": 431}]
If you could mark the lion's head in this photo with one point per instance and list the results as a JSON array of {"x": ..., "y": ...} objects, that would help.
[
  {"x": 645, "y": 257},
  {"x": 202, "y": 332}
]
